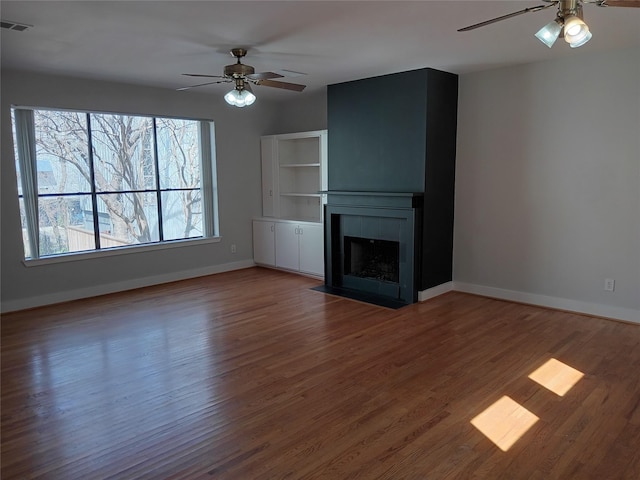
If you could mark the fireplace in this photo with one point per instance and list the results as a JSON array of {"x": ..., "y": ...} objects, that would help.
[
  {"x": 370, "y": 240},
  {"x": 384, "y": 143}
]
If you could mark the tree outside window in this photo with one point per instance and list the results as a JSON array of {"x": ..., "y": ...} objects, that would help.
[{"x": 92, "y": 181}]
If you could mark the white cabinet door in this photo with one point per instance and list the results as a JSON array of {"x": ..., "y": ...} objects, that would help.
[
  {"x": 287, "y": 248},
  {"x": 268, "y": 147},
  {"x": 311, "y": 249},
  {"x": 264, "y": 243}
]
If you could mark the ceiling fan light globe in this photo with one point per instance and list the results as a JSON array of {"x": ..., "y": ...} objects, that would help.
[
  {"x": 232, "y": 97},
  {"x": 247, "y": 94},
  {"x": 580, "y": 39},
  {"x": 584, "y": 40},
  {"x": 249, "y": 98},
  {"x": 549, "y": 33},
  {"x": 240, "y": 98},
  {"x": 575, "y": 30}
]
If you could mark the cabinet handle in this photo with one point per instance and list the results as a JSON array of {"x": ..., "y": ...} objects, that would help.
[
  {"x": 272, "y": 228},
  {"x": 271, "y": 193},
  {"x": 300, "y": 231}
]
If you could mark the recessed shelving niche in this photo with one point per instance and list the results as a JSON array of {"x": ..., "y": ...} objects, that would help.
[{"x": 294, "y": 172}]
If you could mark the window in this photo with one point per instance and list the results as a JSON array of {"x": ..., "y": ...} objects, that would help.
[{"x": 95, "y": 181}]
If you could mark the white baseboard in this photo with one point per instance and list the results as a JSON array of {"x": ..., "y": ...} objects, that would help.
[
  {"x": 435, "y": 291},
  {"x": 607, "y": 311},
  {"x": 96, "y": 290}
]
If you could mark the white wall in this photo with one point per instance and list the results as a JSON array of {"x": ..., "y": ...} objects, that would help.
[
  {"x": 302, "y": 114},
  {"x": 548, "y": 183},
  {"x": 238, "y": 134}
]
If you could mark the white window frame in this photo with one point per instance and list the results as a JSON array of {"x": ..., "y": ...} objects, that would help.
[{"x": 26, "y": 158}]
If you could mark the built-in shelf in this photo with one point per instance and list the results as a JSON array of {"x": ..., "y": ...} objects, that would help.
[
  {"x": 308, "y": 220},
  {"x": 300, "y": 165},
  {"x": 292, "y": 194},
  {"x": 294, "y": 171}
]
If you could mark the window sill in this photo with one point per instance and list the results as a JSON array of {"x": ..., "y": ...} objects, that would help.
[{"x": 114, "y": 252}]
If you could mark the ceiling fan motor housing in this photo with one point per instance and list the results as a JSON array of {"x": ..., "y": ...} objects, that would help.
[{"x": 238, "y": 70}]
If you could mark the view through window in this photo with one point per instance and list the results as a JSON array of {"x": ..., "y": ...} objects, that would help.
[{"x": 92, "y": 181}]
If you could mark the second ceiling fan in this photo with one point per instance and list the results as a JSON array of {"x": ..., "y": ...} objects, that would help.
[{"x": 569, "y": 22}]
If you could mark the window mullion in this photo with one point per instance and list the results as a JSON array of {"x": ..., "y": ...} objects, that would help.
[
  {"x": 157, "y": 169},
  {"x": 94, "y": 195}
]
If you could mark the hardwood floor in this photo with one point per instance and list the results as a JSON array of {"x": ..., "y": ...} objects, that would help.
[{"x": 252, "y": 375}]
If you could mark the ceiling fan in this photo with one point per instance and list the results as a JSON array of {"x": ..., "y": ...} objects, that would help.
[
  {"x": 243, "y": 75},
  {"x": 569, "y": 22}
]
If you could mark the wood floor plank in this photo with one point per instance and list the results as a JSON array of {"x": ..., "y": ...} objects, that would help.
[{"x": 252, "y": 375}]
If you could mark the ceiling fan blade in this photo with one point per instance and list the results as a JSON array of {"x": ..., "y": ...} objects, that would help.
[
  {"x": 201, "y": 85},
  {"x": 505, "y": 17},
  {"x": 202, "y": 75},
  {"x": 289, "y": 73},
  {"x": 287, "y": 86},
  {"x": 264, "y": 76},
  {"x": 621, "y": 3}
]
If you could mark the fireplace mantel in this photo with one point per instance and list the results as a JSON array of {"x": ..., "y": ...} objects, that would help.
[{"x": 374, "y": 199}]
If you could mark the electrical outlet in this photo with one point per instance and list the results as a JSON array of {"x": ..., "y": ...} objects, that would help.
[
  {"x": 233, "y": 248},
  {"x": 609, "y": 284}
]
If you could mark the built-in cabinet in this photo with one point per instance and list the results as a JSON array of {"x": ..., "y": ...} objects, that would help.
[
  {"x": 290, "y": 234},
  {"x": 264, "y": 242},
  {"x": 300, "y": 247},
  {"x": 295, "y": 246}
]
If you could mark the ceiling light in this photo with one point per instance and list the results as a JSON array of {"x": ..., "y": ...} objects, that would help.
[
  {"x": 576, "y": 32},
  {"x": 579, "y": 43},
  {"x": 241, "y": 96},
  {"x": 550, "y": 32}
]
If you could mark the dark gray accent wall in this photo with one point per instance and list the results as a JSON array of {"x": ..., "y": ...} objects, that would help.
[
  {"x": 439, "y": 191},
  {"x": 397, "y": 133},
  {"x": 378, "y": 133}
]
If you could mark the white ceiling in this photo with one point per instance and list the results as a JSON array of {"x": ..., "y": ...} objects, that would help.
[{"x": 153, "y": 42}]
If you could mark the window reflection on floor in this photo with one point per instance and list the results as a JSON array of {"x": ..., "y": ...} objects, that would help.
[
  {"x": 504, "y": 422},
  {"x": 556, "y": 376}
]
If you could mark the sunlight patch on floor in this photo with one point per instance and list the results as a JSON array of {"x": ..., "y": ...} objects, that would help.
[
  {"x": 504, "y": 422},
  {"x": 556, "y": 376}
]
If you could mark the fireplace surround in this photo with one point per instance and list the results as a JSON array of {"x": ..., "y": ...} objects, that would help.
[{"x": 371, "y": 240}]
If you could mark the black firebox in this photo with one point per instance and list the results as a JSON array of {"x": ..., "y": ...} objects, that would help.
[{"x": 372, "y": 259}]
